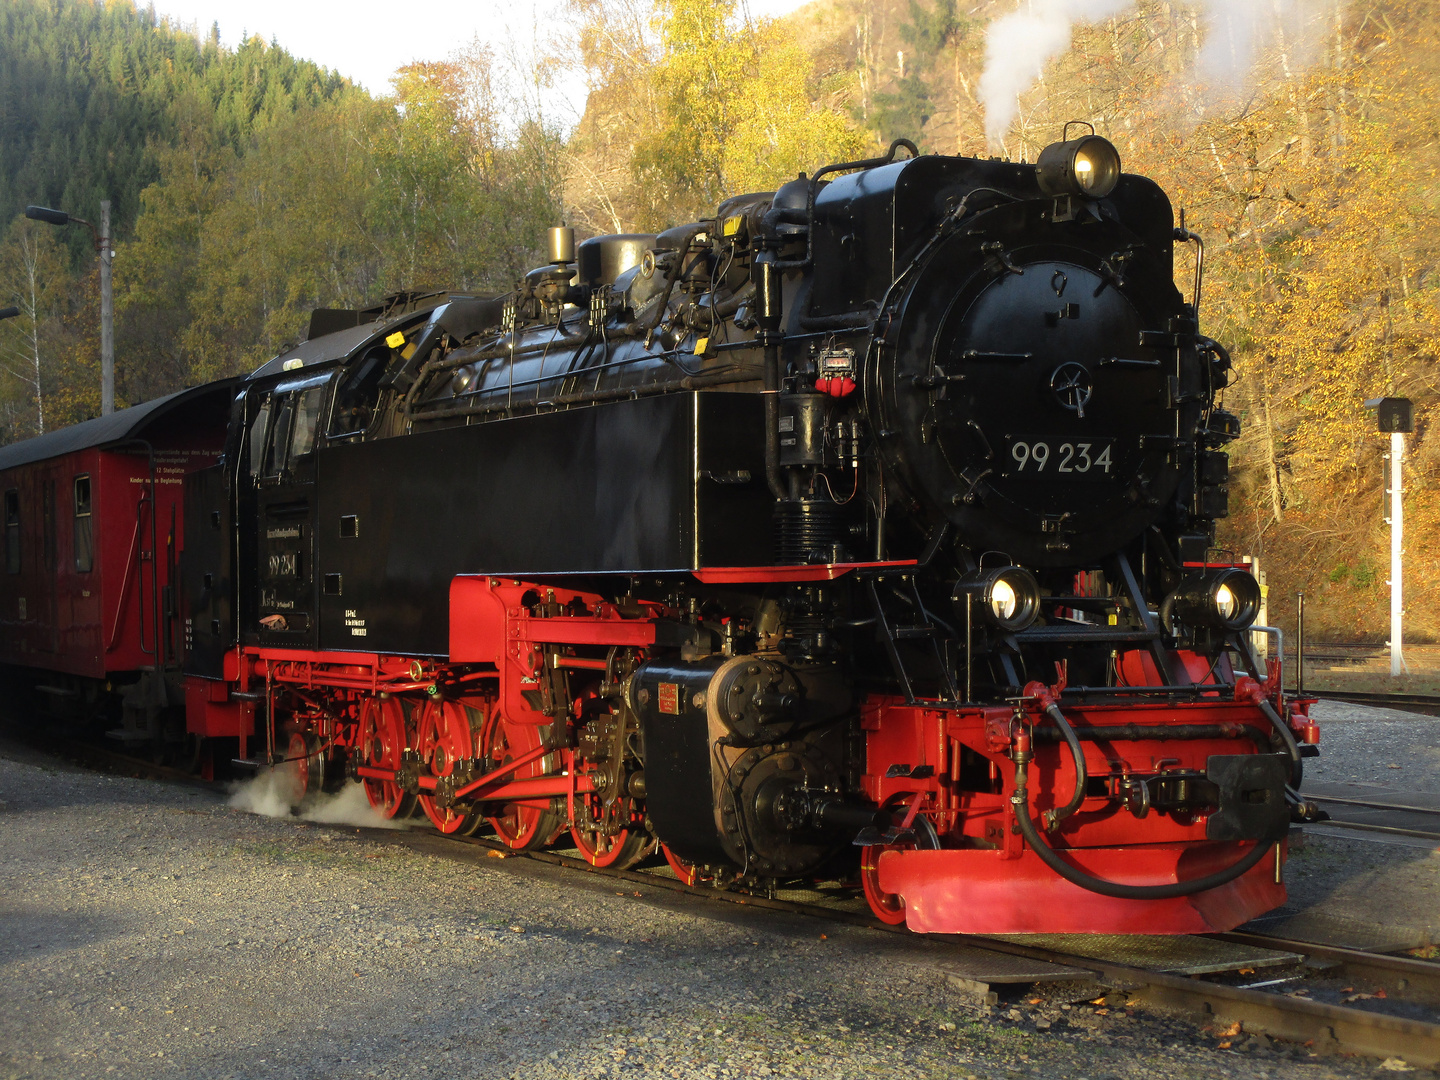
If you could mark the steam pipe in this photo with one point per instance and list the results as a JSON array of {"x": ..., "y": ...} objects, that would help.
[
  {"x": 766, "y": 275},
  {"x": 460, "y": 358},
  {"x": 589, "y": 397},
  {"x": 849, "y": 320},
  {"x": 647, "y": 326},
  {"x": 562, "y": 340},
  {"x": 1184, "y": 235},
  {"x": 1166, "y": 733}
]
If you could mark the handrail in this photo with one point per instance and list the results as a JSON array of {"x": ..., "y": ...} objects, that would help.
[
  {"x": 130, "y": 561},
  {"x": 149, "y": 496}
]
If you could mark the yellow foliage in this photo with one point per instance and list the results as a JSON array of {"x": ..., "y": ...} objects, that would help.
[{"x": 724, "y": 106}]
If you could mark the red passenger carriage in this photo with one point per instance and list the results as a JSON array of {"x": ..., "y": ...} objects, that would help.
[{"x": 93, "y": 534}]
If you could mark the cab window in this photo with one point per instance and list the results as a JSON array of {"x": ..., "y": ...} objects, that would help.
[
  {"x": 358, "y": 394},
  {"x": 286, "y": 426},
  {"x": 307, "y": 415},
  {"x": 257, "y": 439},
  {"x": 280, "y": 436}
]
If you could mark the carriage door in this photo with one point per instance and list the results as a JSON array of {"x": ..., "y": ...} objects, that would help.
[{"x": 282, "y": 469}]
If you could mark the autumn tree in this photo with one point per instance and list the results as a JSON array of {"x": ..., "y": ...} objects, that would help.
[
  {"x": 33, "y": 278},
  {"x": 905, "y": 111},
  {"x": 722, "y": 105}
]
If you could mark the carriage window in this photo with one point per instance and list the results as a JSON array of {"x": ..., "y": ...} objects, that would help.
[
  {"x": 12, "y": 532},
  {"x": 358, "y": 393},
  {"x": 84, "y": 530},
  {"x": 257, "y": 439},
  {"x": 307, "y": 415},
  {"x": 280, "y": 437}
]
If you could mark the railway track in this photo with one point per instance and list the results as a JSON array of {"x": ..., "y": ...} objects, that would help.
[
  {"x": 1342, "y": 652},
  {"x": 1400, "y": 815},
  {"x": 1427, "y": 704},
  {"x": 1358, "y": 652},
  {"x": 1405, "y": 988}
]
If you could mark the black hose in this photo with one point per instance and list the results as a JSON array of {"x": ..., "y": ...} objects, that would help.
[
  {"x": 1292, "y": 748},
  {"x": 1051, "y": 858},
  {"x": 1211, "y": 345},
  {"x": 1082, "y": 777},
  {"x": 648, "y": 325}
]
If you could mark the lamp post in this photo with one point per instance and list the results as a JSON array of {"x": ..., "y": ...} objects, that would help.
[
  {"x": 1396, "y": 417},
  {"x": 107, "y": 300}
]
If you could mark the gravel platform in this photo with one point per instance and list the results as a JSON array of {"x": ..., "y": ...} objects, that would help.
[
  {"x": 151, "y": 930},
  {"x": 1365, "y": 889}
]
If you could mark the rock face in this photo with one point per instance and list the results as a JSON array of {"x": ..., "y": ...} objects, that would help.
[{"x": 148, "y": 930}]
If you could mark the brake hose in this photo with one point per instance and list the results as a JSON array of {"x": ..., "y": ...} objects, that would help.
[
  {"x": 1082, "y": 777},
  {"x": 1292, "y": 748}
]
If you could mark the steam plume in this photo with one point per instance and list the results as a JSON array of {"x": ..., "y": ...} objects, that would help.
[
  {"x": 1019, "y": 45},
  {"x": 275, "y": 793}
]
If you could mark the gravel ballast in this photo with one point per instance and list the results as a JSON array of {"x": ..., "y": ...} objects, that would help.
[{"x": 149, "y": 929}]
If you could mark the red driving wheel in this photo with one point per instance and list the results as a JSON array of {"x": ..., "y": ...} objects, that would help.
[
  {"x": 382, "y": 742},
  {"x": 303, "y": 766},
  {"x": 888, "y": 907},
  {"x": 519, "y": 826},
  {"x": 606, "y": 834},
  {"x": 443, "y": 739}
]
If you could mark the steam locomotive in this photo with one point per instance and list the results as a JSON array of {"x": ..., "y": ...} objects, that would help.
[{"x": 864, "y": 531}]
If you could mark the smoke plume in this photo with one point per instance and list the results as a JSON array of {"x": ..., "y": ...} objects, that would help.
[
  {"x": 275, "y": 793},
  {"x": 1235, "y": 33}
]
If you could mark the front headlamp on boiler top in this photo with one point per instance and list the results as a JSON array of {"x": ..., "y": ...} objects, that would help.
[{"x": 1088, "y": 166}]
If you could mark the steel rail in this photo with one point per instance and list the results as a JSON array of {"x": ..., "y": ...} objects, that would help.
[
  {"x": 1416, "y": 980},
  {"x": 1327, "y": 1027},
  {"x": 1373, "y": 805},
  {"x": 1362, "y": 826}
]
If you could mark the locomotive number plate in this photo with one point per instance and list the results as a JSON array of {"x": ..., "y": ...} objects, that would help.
[{"x": 1060, "y": 459}]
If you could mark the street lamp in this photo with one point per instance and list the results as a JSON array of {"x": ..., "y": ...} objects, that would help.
[
  {"x": 107, "y": 301},
  {"x": 9, "y": 312}
]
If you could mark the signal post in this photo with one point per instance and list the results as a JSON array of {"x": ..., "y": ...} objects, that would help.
[{"x": 1395, "y": 417}]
